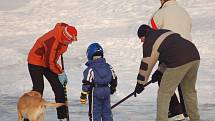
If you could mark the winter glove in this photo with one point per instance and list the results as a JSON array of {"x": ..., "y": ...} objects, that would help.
[
  {"x": 138, "y": 89},
  {"x": 62, "y": 78},
  {"x": 83, "y": 98},
  {"x": 157, "y": 76},
  {"x": 112, "y": 90}
]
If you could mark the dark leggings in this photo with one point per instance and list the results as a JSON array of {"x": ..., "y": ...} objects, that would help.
[{"x": 37, "y": 73}]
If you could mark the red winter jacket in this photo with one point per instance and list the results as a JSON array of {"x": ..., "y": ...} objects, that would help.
[{"x": 48, "y": 48}]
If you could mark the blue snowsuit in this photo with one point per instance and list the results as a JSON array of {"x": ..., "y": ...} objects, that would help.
[{"x": 99, "y": 77}]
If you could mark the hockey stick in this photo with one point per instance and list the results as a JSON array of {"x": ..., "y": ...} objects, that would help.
[
  {"x": 125, "y": 98},
  {"x": 65, "y": 91}
]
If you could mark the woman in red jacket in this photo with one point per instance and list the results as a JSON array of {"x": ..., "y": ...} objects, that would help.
[{"x": 42, "y": 61}]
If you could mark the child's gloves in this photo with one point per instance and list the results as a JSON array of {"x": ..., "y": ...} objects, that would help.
[{"x": 83, "y": 98}]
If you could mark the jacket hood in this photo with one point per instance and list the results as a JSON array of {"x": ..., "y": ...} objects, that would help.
[
  {"x": 99, "y": 67},
  {"x": 58, "y": 31}
]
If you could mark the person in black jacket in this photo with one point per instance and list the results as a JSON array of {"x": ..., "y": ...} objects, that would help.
[{"x": 182, "y": 60}]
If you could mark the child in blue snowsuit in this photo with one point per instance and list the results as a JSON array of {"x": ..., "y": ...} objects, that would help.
[{"x": 98, "y": 83}]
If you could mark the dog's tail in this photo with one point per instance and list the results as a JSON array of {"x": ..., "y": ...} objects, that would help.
[{"x": 52, "y": 104}]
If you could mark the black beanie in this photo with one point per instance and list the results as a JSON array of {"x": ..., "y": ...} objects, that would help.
[{"x": 142, "y": 30}]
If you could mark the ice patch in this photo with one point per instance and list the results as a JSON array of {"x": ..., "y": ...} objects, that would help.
[
  {"x": 7, "y": 5},
  {"x": 10, "y": 57}
]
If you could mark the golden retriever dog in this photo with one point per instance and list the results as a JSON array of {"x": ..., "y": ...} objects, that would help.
[{"x": 32, "y": 106}]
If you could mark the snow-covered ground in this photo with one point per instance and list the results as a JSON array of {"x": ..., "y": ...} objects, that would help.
[{"x": 113, "y": 23}]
